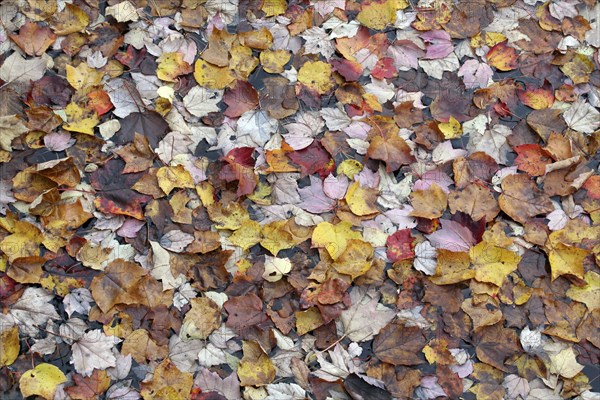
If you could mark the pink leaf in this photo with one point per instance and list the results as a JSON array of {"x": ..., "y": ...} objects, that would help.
[
  {"x": 453, "y": 236},
  {"x": 130, "y": 228},
  {"x": 335, "y": 186},
  {"x": 475, "y": 74},
  {"x": 314, "y": 199},
  {"x": 440, "y": 44}
]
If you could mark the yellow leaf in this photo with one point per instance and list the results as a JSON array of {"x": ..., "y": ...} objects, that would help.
[
  {"x": 452, "y": 267},
  {"x": 566, "y": 260},
  {"x": 206, "y": 192},
  {"x": 170, "y": 178},
  {"x": 247, "y": 235},
  {"x": 273, "y": 61},
  {"x": 231, "y": 216},
  {"x": 564, "y": 363},
  {"x": 578, "y": 69},
  {"x": 349, "y": 168},
  {"x": 429, "y": 203},
  {"x": 9, "y": 346},
  {"x": 316, "y": 75},
  {"x": 71, "y": 19},
  {"x": 308, "y": 320},
  {"x": 23, "y": 242},
  {"x": 172, "y": 65},
  {"x": 261, "y": 194},
  {"x": 255, "y": 368},
  {"x": 492, "y": 263},
  {"x": 273, "y": 7},
  {"x": 212, "y": 77},
  {"x": 242, "y": 62},
  {"x": 590, "y": 293},
  {"x": 41, "y": 381},
  {"x": 356, "y": 260},
  {"x": 334, "y": 238},
  {"x": 80, "y": 119},
  {"x": 201, "y": 320},
  {"x": 168, "y": 382},
  {"x": 283, "y": 234},
  {"x": 82, "y": 76},
  {"x": 451, "y": 129},
  {"x": 493, "y": 38},
  {"x": 377, "y": 15},
  {"x": 361, "y": 200}
]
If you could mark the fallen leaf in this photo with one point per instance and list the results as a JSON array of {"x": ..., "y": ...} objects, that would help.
[
  {"x": 42, "y": 380},
  {"x": 255, "y": 368},
  {"x": 334, "y": 238},
  {"x": 9, "y": 346},
  {"x": 34, "y": 39},
  {"x": 366, "y": 317},
  {"x": 502, "y": 57},
  {"x": 398, "y": 344},
  {"x": 521, "y": 199},
  {"x": 167, "y": 382},
  {"x": 202, "y": 319}
]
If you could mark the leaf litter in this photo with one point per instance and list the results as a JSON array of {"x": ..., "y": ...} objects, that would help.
[{"x": 280, "y": 199}]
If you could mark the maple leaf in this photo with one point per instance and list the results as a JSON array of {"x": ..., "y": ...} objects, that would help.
[
  {"x": 452, "y": 236},
  {"x": 366, "y": 317},
  {"x": 398, "y": 344},
  {"x": 521, "y": 199},
  {"x": 93, "y": 351}
]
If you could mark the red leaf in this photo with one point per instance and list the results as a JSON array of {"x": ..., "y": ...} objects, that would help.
[
  {"x": 532, "y": 158},
  {"x": 241, "y": 168},
  {"x": 400, "y": 246},
  {"x": 350, "y": 70},
  {"x": 384, "y": 69},
  {"x": 243, "y": 97},
  {"x": 313, "y": 159}
]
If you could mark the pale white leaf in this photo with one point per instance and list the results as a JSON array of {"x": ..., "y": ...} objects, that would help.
[
  {"x": 275, "y": 268},
  {"x": 33, "y": 310},
  {"x": 335, "y": 118},
  {"x": 317, "y": 42},
  {"x": 124, "y": 96},
  {"x": 285, "y": 391},
  {"x": 201, "y": 101},
  {"x": 176, "y": 240},
  {"x": 516, "y": 386},
  {"x": 185, "y": 354},
  {"x": 435, "y": 68},
  {"x": 426, "y": 258},
  {"x": 19, "y": 70},
  {"x": 123, "y": 12},
  {"x": 365, "y": 317},
  {"x": 582, "y": 117},
  {"x": 93, "y": 351},
  {"x": 78, "y": 300}
]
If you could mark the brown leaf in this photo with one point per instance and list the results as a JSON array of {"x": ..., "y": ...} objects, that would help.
[
  {"x": 392, "y": 150},
  {"x": 138, "y": 155},
  {"x": 88, "y": 388},
  {"x": 244, "y": 312},
  {"x": 430, "y": 203},
  {"x": 521, "y": 199},
  {"x": 495, "y": 344},
  {"x": 124, "y": 282},
  {"x": 167, "y": 382},
  {"x": 34, "y": 39},
  {"x": 399, "y": 345},
  {"x": 475, "y": 200}
]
